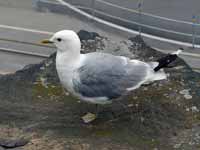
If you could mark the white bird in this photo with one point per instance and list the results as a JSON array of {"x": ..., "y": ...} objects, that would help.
[{"x": 99, "y": 77}]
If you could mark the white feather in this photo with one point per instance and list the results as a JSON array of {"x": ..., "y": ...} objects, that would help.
[{"x": 177, "y": 52}]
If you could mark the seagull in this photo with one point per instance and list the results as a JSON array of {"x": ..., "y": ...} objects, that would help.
[{"x": 97, "y": 77}]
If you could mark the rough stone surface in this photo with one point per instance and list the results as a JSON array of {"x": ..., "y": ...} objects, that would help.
[{"x": 158, "y": 116}]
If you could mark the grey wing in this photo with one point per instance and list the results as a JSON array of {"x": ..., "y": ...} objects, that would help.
[{"x": 108, "y": 76}]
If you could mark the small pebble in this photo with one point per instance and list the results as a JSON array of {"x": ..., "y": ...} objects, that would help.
[
  {"x": 130, "y": 105},
  {"x": 194, "y": 109},
  {"x": 42, "y": 68},
  {"x": 89, "y": 117},
  {"x": 176, "y": 146},
  {"x": 7, "y": 143},
  {"x": 142, "y": 119},
  {"x": 186, "y": 94}
]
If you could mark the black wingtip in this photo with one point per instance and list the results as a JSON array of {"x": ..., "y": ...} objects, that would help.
[{"x": 165, "y": 61}]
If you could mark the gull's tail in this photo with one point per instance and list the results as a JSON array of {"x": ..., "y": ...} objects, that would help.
[{"x": 165, "y": 61}]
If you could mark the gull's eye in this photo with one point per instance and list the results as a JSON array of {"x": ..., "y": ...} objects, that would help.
[{"x": 59, "y": 39}]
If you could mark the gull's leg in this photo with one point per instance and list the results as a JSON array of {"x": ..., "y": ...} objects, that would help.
[{"x": 97, "y": 110}]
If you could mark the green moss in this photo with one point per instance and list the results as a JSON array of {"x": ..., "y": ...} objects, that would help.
[
  {"x": 196, "y": 117},
  {"x": 46, "y": 91},
  {"x": 150, "y": 105},
  {"x": 50, "y": 90},
  {"x": 103, "y": 133}
]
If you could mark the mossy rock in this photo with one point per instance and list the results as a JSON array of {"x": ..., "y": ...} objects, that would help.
[{"x": 156, "y": 115}]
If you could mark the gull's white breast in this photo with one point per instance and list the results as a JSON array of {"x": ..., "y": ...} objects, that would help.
[{"x": 67, "y": 70}]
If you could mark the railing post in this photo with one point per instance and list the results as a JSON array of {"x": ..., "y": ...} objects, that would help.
[
  {"x": 140, "y": 15},
  {"x": 193, "y": 30},
  {"x": 93, "y": 8}
]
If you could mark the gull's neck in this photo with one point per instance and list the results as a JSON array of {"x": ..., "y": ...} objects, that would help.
[
  {"x": 70, "y": 57},
  {"x": 67, "y": 58},
  {"x": 67, "y": 61}
]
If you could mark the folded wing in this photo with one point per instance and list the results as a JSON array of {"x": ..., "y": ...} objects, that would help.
[{"x": 104, "y": 75}]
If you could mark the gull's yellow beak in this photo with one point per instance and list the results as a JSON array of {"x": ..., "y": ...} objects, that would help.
[{"x": 46, "y": 41}]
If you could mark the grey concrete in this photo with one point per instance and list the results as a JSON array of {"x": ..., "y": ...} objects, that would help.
[
  {"x": 29, "y": 18},
  {"x": 151, "y": 42},
  {"x": 11, "y": 63},
  {"x": 175, "y": 9},
  {"x": 152, "y": 25},
  {"x": 52, "y": 22},
  {"x": 45, "y": 21},
  {"x": 22, "y": 36},
  {"x": 163, "y": 46},
  {"x": 24, "y": 4}
]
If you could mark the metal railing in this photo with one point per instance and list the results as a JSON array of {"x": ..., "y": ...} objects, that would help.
[{"x": 143, "y": 22}]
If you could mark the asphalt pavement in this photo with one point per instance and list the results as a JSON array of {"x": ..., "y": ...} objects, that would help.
[
  {"x": 22, "y": 23},
  {"x": 10, "y": 63}
]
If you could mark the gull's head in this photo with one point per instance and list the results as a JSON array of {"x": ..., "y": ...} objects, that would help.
[{"x": 65, "y": 40}]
